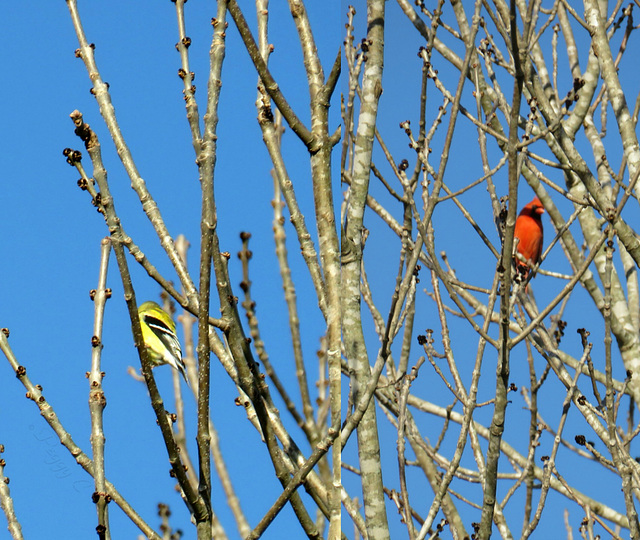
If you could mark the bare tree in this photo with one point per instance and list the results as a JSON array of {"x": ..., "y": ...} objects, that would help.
[
  {"x": 501, "y": 104},
  {"x": 469, "y": 403},
  {"x": 300, "y": 446}
]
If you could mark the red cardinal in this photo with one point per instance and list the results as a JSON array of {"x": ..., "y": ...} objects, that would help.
[{"x": 529, "y": 233}]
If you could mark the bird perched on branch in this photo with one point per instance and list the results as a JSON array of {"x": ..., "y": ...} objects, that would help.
[
  {"x": 528, "y": 233},
  {"x": 159, "y": 334}
]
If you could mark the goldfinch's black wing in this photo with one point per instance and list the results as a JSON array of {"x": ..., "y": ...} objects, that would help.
[{"x": 165, "y": 334}]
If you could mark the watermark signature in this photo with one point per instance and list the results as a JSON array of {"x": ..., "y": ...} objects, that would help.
[{"x": 54, "y": 461}]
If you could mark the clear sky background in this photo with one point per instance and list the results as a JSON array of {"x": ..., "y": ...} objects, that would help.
[{"x": 51, "y": 243}]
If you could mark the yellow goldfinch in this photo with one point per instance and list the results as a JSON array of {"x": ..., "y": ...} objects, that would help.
[{"x": 159, "y": 334}]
